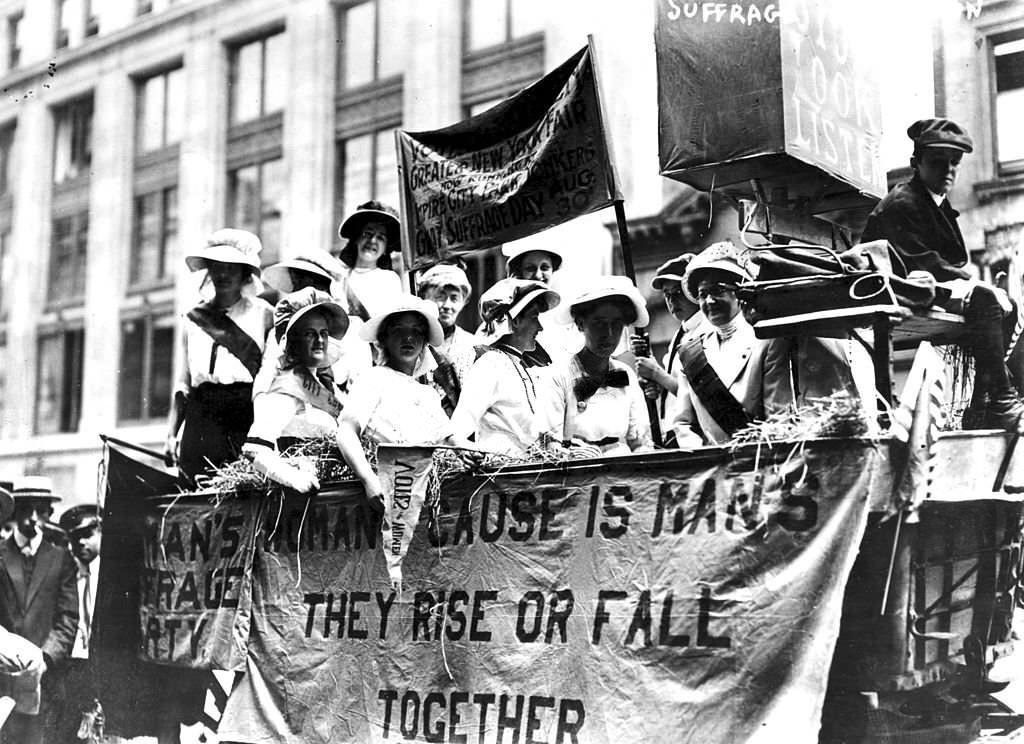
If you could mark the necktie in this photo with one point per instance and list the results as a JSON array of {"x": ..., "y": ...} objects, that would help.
[
  {"x": 584, "y": 387},
  {"x": 85, "y": 573}
]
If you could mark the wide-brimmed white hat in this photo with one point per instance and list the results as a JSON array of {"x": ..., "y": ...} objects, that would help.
[
  {"x": 607, "y": 287},
  {"x": 721, "y": 256},
  {"x": 406, "y": 303},
  {"x": 444, "y": 275},
  {"x": 34, "y": 487},
  {"x": 512, "y": 251},
  {"x": 228, "y": 245},
  {"x": 294, "y": 306},
  {"x": 506, "y": 300},
  {"x": 313, "y": 261}
]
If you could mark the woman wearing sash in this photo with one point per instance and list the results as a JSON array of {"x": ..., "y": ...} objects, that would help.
[
  {"x": 302, "y": 400},
  {"x": 223, "y": 340},
  {"x": 387, "y": 405},
  {"x": 721, "y": 388},
  {"x": 500, "y": 398},
  {"x": 594, "y": 401}
]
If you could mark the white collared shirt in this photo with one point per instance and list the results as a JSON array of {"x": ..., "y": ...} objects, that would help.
[
  {"x": 87, "y": 572},
  {"x": 32, "y": 543}
]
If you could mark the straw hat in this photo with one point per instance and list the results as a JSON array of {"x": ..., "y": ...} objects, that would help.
[
  {"x": 722, "y": 256},
  {"x": 439, "y": 276},
  {"x": 34, "y": 487},
  {"x": 406, "y": 303},
  {"x": 313, "y": 261},
  {"x": 606, "y": 287},
  {"x": 506, "y": 300},
  {"x": 293, "y": 306},
  {"x": 512, "y": 251},
  {"x": 228, "y": 245}
]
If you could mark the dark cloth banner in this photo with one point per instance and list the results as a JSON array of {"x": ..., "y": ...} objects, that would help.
[
  {"x": 196, "y": 593},
  {"x": 532, "y": 162},
  {"x": 131, "y": 691},
  {"x": 684, "y": 598}
]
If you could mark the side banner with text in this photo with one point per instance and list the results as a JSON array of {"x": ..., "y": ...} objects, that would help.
[
  {"x": 673, "y": 599},
  {"x": 532, "y": 162},
  {"x": 196, "y": 584}
]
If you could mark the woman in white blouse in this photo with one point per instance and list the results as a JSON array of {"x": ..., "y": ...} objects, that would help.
[
  {"x": 387, "y": 404},
  {"x": 499, "y": 401},
  {"x": 595, "y": 401},
  {"x": 302, "y": 400},
  {"x": 223, "y": 337},
  {"x": 373, "y": 232}
]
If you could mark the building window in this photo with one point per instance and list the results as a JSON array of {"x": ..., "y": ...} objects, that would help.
[
  {"x": 160, "y": 110},
  {"x": 255, "y": 196},
  {"x": 367, "y": 53},
  {"x": 147, "y": 355},
  {"x": 369, "y": 169},
  {"x": 72, "y": 140},
  {"x": 1009, "y": 104},
  {"x": 6, "y": 155},
  {"x": 68, "y": 258},
  {"x": 5, "y": 270},
  {"x": 154, "y": 237},
  {"x": 259, "y": 78},
  {"x": 493, "y": 22},
  {"x": 14, "y": 40},
  {"x": 65, "y": 9},
  {"x": 59, "y": 381}
]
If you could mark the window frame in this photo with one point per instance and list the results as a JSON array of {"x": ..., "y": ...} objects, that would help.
[
  {"x": 69, "y": 415},
  {"x": 152, "y": 319},
  {"x": 1012, "y": 168},
  {"x": 14, "y": 23},
  {"x": 73, "y": 108},
  {"x": 272, "y": 255},
  {"x": 79, "y": 259},
  {"x": 510, "y": 38},
  {"x": 233, "y": 49},
  {"x": 140, "y": 83},
  {"x": 162, "y": 278}
]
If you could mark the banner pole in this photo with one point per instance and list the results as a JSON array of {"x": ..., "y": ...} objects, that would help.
[{"x": 627, "y": 265}]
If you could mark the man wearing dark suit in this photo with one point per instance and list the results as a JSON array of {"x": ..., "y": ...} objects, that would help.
[
  {"x": 920, "y": 224},
  {"x": 38, "y": 600}
]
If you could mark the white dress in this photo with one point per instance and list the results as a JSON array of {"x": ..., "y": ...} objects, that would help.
[
  {"x": 377, "y": 289},
  {"x": 391, "y": 407},
  {"x": 499, "y": 404},
  {"x": 613, "y": 418}
]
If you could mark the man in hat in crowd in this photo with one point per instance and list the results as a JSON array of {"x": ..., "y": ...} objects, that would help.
[
  {"x": 82, "y": 526},
  {"x": 447, "y": 286},
  {"x": 38, "y": 599},
  {"x": 661, "y": 380},
  {"x": 921, "y": 225}
]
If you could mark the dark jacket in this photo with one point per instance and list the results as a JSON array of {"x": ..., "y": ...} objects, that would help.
[
  {"x": 924, "y": 235},
  {"x": 45, "y": 612}
]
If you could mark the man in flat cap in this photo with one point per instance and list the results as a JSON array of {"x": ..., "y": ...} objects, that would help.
[
  {"x": 82, "y": 525},
  {"x": 662, "y": 380},
  {"x": 920, "y": 224},
  {"x": 38, "y": 601}
]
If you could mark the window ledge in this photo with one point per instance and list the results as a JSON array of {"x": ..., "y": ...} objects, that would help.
[{"x": 1003, "y": 186}]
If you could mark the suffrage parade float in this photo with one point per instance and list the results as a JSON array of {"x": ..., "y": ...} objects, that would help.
[{"x": 839, "y": 570}]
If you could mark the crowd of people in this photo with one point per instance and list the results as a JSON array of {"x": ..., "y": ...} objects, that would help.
[
  {"x": 336, "y": 348},
  {"x": 347, "y": 353}
]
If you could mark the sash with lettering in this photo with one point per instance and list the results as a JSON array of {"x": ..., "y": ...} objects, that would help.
[
  {"x": 318, "y": 391},
  {"x": 727, "y": 412},
  {"x": 217, "y": 325}
]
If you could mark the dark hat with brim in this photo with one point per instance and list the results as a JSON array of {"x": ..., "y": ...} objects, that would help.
[
  {"x": 672, "y": 270},
  {"x": 81, "y": 517},
  {"x": 940, "y": 133},
  {"x": 369, "y": 212}
]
